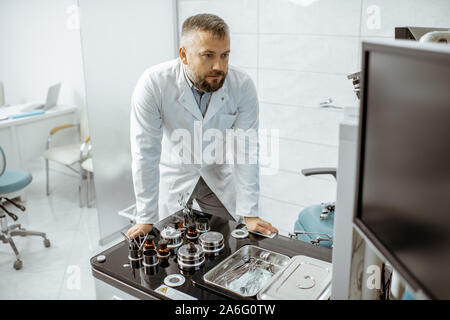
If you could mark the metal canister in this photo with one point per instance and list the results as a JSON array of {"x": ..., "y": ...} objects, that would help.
[
  {"x": 150, "y": 261},
  {"x": 173, "y": 237},
  {"x": 190, "y": 257},
  {"x": 135, "y": 256},
  {"x": 212, "y": 242},
  {"x": 202, "y": 225}
]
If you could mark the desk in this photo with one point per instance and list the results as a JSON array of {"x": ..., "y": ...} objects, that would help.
[
  {"x": 114, "y": 281},
  {"x": 24, "y": 139}
]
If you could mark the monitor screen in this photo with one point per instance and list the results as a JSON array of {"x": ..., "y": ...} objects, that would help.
[{"x": 403, "y": 186}]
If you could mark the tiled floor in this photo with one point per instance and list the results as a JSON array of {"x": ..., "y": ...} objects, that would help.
[{"x": 63, "y": 270}]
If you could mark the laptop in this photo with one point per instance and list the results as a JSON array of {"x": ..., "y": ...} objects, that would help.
[{"x": 52, "y": 100}]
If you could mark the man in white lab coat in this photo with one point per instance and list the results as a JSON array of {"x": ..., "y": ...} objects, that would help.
[{"x": 181, "y": 110}]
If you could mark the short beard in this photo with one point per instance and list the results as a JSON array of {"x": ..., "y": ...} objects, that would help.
[{"x": 204, "y": 85}]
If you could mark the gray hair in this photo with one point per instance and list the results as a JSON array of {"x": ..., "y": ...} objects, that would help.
[{"x": 205, "y": 22}]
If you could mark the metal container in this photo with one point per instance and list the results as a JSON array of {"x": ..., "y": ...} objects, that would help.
[
  {"x": 202, "y": 225},
  {"x": 245, "y": 262},
  {"x": 135, "y": 256},
  {"x": 150, "y": 258},
  {"x": 190, "y": 257},
  {"x": 150, "y": 262},
  {"x": 150, "y": 271},
  {"x": 173, "y": 237},
  {"x": 304, "y": 278},
  {"x": 211, "y": 242}
]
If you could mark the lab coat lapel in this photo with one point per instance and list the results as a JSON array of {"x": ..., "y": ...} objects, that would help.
[
  {"x": 218, "y": 100},
  {"x": 186, "y": 98}
]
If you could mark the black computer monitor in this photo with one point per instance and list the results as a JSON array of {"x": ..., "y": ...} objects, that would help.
[{"x": 403, "y": 174}]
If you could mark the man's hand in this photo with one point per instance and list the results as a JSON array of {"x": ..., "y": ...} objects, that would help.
[
  {"x": 257, "y": 224},
  {"x": 138, "y": 229}
]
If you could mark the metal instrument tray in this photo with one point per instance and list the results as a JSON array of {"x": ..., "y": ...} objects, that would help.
[
  {"x": 304, "y": 278},
  {"x": 262, "y": 258}
]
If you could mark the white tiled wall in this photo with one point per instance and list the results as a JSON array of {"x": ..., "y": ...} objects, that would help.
[
  {"x": 240, "y": 15},
  {"x": 324, "y": 54},
  {"x": 301, "y": 123},
  {"x": 419, "y": 13},
  {"x": 39, "y": 49},
  {"x": 305, "y": 89},
  {"x": 248, "y": 50},
  {"x": 298, "y": 52},
  {"x": 322, "y": 17}
]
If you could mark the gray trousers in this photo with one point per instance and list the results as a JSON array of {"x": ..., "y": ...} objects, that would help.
[{"x": 208, "y": 201}]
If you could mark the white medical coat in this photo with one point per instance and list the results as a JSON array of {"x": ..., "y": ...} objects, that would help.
[{"x": 163, "y": 102}]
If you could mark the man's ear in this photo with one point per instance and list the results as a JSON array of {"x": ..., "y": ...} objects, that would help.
[{"x": 183, "y": 55}]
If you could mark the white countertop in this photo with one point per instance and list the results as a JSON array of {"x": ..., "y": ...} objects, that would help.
[{"x": 16, "y": 109}]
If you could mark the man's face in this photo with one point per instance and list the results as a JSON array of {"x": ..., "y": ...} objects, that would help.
[{"x": 206, "y": 60}]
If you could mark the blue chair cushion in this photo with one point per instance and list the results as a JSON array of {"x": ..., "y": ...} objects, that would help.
[
  {"x": 407, "y": 295},
  {"x": 309, "y": 221},
  {"x": 11, "y": 181}
]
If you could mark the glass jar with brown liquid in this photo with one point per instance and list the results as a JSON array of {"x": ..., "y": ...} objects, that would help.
[
  {"x": 192, "y": 233},
  {"x": 163, "y": 250},
  {"x": 150, "y": 243}
]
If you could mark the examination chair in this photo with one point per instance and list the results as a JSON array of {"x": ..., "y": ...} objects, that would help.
[
  {"x": 10, "y": 183},
  {"x": 315, "y": 223}
]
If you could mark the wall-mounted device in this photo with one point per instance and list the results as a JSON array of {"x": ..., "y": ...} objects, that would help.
[
  {"x": 414, "y": 33},
  {"x": 423, "y": 34}
]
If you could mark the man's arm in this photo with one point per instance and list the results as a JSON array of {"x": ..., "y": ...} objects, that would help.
[
  {"x": 246, "y": 174},
  {"x": 146, "y": 135}
]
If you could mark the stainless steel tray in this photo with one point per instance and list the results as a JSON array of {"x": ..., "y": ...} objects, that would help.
[
  {"x": 249, "y": 255},
  {"x": 304, "y": 278}
]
